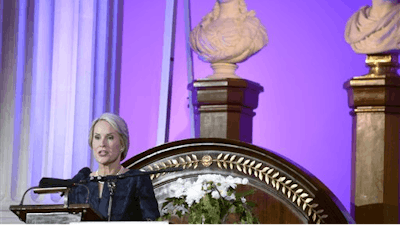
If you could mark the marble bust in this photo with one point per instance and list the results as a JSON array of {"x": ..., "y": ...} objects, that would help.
[
  {"x": 375, "y": 29},
  {"x": 229, "y": 34}
]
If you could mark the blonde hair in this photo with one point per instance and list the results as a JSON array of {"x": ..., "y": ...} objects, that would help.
[{"x": 118, "y": 124}]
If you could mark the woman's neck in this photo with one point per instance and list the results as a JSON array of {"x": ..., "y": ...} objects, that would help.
[{"x": 112, "y": 169}]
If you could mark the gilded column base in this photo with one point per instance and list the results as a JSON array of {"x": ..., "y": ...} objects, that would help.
[{"x": 225, "y": 107}]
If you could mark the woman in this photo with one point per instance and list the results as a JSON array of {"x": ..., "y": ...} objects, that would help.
[{"x": 133, "y": 198}]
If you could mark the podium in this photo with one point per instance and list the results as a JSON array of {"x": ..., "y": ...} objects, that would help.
[{"x": 55, "y": 214}]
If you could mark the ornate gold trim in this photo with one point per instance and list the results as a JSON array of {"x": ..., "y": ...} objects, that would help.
[{"x": 250, "y": 167}]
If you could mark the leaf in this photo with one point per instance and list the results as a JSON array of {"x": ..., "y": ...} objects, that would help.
[
  {"x": 163, "y": 165},
  {"x": 188, "y": 159},
  {"x": 239, "y": 167},
  {"x": 315, "y": 205},
  {"x": 250, "y": 171},
  {"x": 314, "y": 217},
  {"x": 281, "y": 179},
  {"x": 293, "y": 186},
  {"x": 323, "y": 216},
  {"x": 288, "y": 193},
  {"x": 318, "y": 221},
  {"x": 219, "y": 156},
  {"x": 304, "y": 206},
  {"x": 181, "y": 159},
  {"x": 261, "y": 176},
  {"x": 299, "y": 191},
  {"x": 304, "y": 195},
  {"x": 273, "y": 183},
  {"x": 194, "y": 157},
  {"x": 252, "y": 163},
  {"x": 226, "y": 156},
  {"x": 277, "y": 185},
  {"x": 309, "y": 211},
  {"x": 308, "y": 200},
  {"x": 195, "y": 165},
  {"x": 219, "y": 164},
  {"x": 246, "y": 162},
  {"x": 258, "y": 165},
  {"x": 225, "y": 166},
  {"x": 283, "y": 189},
  {"x": 294, "y": 198},
  {"x": 298, "y": 201},
  {"x": 244, "y": 170},
  {"x": 174, "y": 162},
  {"x": 267, "y": 179},
  {"x": 240, "y": 160},
  {"x": 255, "y": 173},
  {"x": 270, "y": 171},
  {"x": 287, "y": 182},
  {"x": 265, "y": 169},
  {"x": 231, "y": 166},
  {"x": 319, "y": 211},
  {"x": 150, "y": 168},
  {"x": 152, "y": 177},
  {"x": 275, "y": 175},
  {"x": 232, "y": 158}
]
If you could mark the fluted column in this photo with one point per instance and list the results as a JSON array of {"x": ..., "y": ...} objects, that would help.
[
  {"x": 60, "y": 68},
  {"x": 375, "y": 100}
]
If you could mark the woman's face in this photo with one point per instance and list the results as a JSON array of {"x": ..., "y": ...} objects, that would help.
[{"x": 106, "y": 143}]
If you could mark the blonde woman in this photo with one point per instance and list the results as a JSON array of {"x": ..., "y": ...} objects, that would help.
[{"x": 133, "y": 198}]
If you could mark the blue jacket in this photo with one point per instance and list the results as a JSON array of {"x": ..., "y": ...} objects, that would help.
[{"x": 133, "y": 200}]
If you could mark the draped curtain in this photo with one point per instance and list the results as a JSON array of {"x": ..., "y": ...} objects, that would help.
[{"x": 60, "y": 69}]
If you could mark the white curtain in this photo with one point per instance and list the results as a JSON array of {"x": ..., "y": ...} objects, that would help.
[{"x": 60, "y": 68}]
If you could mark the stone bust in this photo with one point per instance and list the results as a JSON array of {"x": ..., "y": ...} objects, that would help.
[
  {"x": 228, "y": 34},
  {"x": 375, "y": 29}
]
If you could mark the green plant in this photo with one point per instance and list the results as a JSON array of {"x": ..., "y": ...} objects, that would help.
[{"x": 209, "y": 200}]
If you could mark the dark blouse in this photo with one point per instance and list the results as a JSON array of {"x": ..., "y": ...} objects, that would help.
[{"x": 133, "y": 199}]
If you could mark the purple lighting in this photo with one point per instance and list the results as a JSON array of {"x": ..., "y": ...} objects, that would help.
[{"x": 302, "y": 113}]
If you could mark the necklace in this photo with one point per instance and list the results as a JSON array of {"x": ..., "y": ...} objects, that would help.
[
  {"x": 119, "y": 172},
  {"x": 101, "y": 183}
]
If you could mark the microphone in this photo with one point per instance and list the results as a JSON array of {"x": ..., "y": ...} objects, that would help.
[
  {"x": 47, "y": 182},
  {"x": 122, "y": 176}
]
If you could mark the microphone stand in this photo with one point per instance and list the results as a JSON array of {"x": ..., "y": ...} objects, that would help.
[{"x": 112, "y": 185}]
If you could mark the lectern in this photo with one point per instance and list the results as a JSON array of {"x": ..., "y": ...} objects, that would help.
[{"x": 55, "y": 214}]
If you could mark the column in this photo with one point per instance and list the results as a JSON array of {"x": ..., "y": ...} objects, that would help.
[{"x": 375, "y": 100}]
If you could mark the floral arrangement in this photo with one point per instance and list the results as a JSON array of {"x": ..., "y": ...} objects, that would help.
[{"x": 209, "y": 200}]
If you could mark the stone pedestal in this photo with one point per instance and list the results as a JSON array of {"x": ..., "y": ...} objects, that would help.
[
  {"x": 224, "y": 108},
  {"x": 375, "y": 100}
]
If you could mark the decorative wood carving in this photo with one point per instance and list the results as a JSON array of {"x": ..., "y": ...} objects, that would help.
[{"x": 298, "y": 195}]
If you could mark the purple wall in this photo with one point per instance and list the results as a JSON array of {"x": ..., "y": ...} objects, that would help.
[{"x": 302, "y": 113}]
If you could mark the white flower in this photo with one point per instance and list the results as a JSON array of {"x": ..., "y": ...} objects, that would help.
[
  {"x": 245, "y": 181},
  {"x": 215, "y": 194},
  {"x": 223, "y": 193},
  {"x": 243, "y": 199},
  {"x": 230, "y": 197}
]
